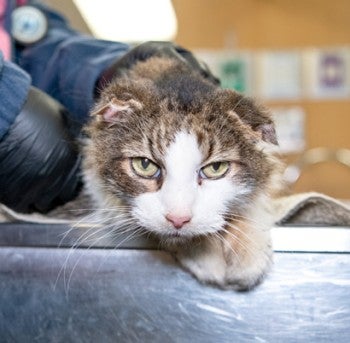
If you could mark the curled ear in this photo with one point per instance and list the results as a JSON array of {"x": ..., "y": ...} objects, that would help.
[
  {"x": 260, "y": 133},
  {"x": 112, "y": 111},
  {"x": 267, "y": 133}
]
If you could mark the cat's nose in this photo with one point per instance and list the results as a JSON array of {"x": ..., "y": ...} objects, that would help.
[{"x": 178, "y": 220}]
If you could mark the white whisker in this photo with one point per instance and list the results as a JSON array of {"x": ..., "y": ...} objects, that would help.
[
  {"x": 242, "y": 244},
  {"x": 228, "y": 245}
]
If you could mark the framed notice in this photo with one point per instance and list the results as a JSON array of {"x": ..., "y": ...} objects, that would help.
[
  {"x": 279, "y": 75},
  {"x": 290, "y": 130},
  {"x": 234, "y": 69},
  {"x": 327, "y": 73}
]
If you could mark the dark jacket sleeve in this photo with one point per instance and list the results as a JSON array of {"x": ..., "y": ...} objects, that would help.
[
  {"x": 14, "y": 87},
  {"x": 67, "y": 64}
]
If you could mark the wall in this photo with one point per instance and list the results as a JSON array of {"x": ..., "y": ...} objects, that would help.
[
  {"x": 70, "y": 12},
  {"x": 273, "y": 24},
  {"x": 282, "y": 24}
]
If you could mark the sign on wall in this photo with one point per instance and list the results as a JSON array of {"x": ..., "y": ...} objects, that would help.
[{"x": 327, "y": 73}]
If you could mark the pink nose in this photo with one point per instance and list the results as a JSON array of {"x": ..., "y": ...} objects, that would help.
[{"x": 178, "y": 221}]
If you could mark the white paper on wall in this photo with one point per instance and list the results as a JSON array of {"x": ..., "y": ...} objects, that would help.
[
  {"x": 290, "y": 122},
  {"x": 327, "y": 73},
  {"x": 279, "y": 75}
]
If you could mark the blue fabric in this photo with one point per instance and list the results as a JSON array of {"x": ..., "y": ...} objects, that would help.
[
  {"x": 14, "y": 86},
  {"x": 64, "y": 64}
]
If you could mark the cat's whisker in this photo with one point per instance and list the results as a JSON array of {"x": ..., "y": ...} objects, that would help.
[
  {"x": 97, "y": 217},
  {"x": 94, "y": 243},
  {"x": 123, "y": 227},
  {"x": 244, "y": 219},
  {"x": 245, "y": 246},
  {"x": 235, "y": 216},
  {"x": 62, "y": 270},
  {"x": 75, "y": 225},
  {"x": 240, "y": 231},
  {"x": 229, "y": 246},
  {"x": 110, "y": 228},
  {"x": 92, "y": 230},
  {"x": 135, "y": 233},
  {"x": 88, "y": 233}
]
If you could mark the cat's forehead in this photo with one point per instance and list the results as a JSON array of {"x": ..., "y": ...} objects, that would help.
[
  {"x": 153, "y": 134},
  {"x": 190, "y": 142},
  {"x": 192, "y": 150},
  {"x": 183, "y": 151}
]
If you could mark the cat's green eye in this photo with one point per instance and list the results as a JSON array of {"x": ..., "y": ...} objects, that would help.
[
  {"x": 214, "y": 170},
  {"x": 144, "y": 167}
]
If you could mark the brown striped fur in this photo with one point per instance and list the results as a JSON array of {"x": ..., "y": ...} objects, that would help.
[{"x": 140, "y": 113}]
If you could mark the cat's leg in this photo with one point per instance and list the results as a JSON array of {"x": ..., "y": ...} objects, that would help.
[
  {"x": 248, "y": 254},
  {"x": 205, "y": 260},
  {"x": 239, "y": 258}
]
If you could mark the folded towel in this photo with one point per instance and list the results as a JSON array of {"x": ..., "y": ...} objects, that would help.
[
  {"x": 305, "y": 209},
  {"x": 310, "y": 209}
]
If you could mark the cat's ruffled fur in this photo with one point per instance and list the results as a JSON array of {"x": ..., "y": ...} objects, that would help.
[{"x": 165, "y": 112}]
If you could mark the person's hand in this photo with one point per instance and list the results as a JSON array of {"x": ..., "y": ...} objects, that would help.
[
  {"x": 150, "y": 49},
  {"x": 39, "y": 160}
]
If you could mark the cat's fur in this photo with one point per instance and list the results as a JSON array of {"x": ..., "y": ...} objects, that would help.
[{"x": 170, "y": 114}]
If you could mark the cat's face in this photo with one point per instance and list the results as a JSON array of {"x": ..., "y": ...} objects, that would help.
[
  {"x": 181, "y": 176},
  {"x": 188, "y": 193},
  {"x": 182, "y": 171}
]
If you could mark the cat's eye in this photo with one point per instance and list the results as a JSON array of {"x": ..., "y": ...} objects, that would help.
[
  {"x": 144, "y": 167},
  {"x": 214, "y": 170}
]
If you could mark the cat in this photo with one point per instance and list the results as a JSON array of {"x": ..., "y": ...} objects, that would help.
[{"x": 189, "y": 162}]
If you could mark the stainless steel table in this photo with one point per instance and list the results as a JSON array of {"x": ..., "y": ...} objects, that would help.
[{"x": 138, "y": 294}]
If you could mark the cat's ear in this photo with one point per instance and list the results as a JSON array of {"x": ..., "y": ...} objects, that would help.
[
  {"x": 264, "y": 133},
  {"x": 112, "y": 111},
  {"x": 267, "y": 133}
]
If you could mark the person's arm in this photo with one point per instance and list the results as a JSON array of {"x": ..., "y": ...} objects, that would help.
[
  {"x": 67, "y": 64},
  {"x": 39, "y": 162}
]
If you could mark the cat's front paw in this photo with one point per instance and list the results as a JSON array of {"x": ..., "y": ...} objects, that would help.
[
  {"x": 249, "y": 271},
  {"x": 206, "y": 262},
  {"x": 248, "y": 255},
  {"x": 239, "y": 263}
]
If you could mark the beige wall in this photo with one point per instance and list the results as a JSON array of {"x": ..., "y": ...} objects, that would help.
[
  {"x": 273, "y": 24},
  {"x": 70, "y": 12},
  {"x": 276, "y": 24},
  {"x": 263, "y": 23}
]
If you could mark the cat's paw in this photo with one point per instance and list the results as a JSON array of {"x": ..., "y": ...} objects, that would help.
[
  {"x": 248, "y": 255},
  {"x": 229, "y": 264},
  {"x": 206, "y": 262},
  {"x": 249, "y": 271}
]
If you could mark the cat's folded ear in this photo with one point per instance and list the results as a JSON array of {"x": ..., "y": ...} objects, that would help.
[
  {"x": 114, "y": 110},
  {"x": 267, "y": 133},
  {"x": 261, "y": 133}
]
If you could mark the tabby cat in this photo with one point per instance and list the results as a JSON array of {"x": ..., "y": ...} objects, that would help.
[{"x": 172, "y": 153}]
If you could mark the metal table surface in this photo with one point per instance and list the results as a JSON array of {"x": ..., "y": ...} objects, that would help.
[{"x": 138, "y": 294}]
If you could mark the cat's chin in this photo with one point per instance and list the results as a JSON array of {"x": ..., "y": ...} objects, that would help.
[
  {"x": 173, "y": 239},
  {"x": 177, "y": 239}
]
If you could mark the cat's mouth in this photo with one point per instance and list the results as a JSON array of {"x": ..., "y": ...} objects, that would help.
[
  {"x": 174, "y": 237},
  {"x": 180, "y": 236},
  {"x": 176, "y": 234}
]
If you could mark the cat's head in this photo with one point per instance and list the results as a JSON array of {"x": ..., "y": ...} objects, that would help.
[{"x": 181, "y": 154}]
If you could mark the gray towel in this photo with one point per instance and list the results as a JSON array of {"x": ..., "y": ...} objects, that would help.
[
  {"x": 311, "y": 209},
  {"x": 306, "y": 209}
]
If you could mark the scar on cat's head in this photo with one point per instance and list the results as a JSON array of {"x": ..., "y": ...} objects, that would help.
[{"x": 116, "y": 109}]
